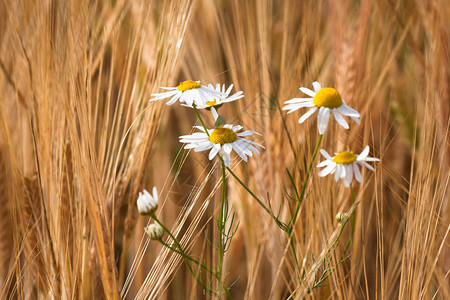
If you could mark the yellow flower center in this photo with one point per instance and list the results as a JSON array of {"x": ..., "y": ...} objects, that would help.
[
  {"x": 344, "y": 158},
  {"x": 188, "y": 85},
  {"x": 211, "y": 103},
  {"x": 327, "y": 97},
  {"x": 222, "y": 136}
]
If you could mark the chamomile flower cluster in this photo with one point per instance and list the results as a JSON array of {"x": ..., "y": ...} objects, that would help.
[
  {"x": 219, "y": 141},
  {"x": 327, "y": 101},
  {"x": 224, "y": 138}
]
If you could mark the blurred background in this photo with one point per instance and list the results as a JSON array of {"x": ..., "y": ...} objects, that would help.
[{"x": 79, "y": 140}]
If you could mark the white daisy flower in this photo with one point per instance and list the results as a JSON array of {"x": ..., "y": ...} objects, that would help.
[
  {"x": 147, "y": 203},
  {"x": 345, "y": 164},
  {"x": 154, "y": 231},
  {"x": 217, "y": 102},
  {"x": 222, "y": 140},
  {"x": 327, "y": 101},
  {"x": 189, "y": 92}
]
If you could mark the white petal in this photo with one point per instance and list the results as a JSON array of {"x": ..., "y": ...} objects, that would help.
[
  {"x": 201, "y": 97},
  {"x": 212, "y": 92},
  {"x": 204, "y": 146},
  {"x": 159, "y": 96},
  {"x": 214, "y": 113},
  {"x": 356, "y": 120},
  {"x": 146, "y": 193},
  {"x": 226, "y": 159},
  {"x": 237, "y": 128},
  {"x": 227, "y": 148},
  {"x": 192, "y": 141},
  {"x": 372, "y": 159},
  {"x": 155, "y": 193},
  {"x": 307, "y": 91},
  {"x": 307, "y": 115},
  {"x": 362, "y": 163},
  {"x": 298, "y": 100},
  {"x": 363, "y": 154},
  {"x": 190, "y": 146},
  {"x": 186, "y": 99},
  {"x": 295, "y": 106},
  {"x": 322, "y": 119},
  {"x": 348, "y": 175},
  {"x": 340, "y": 119},
  {"x": 215, "y": 149},
  {"x": 291, "y": 111},
  {"x": 327, "y": 170},
  {"x": 358, "y": 175},
  {"x": 228, "y": 90},
  {"x": 233, "y": 97},
  {"x": 251, "y": 142},
  {"x": 323, "y": 163},
  {"x": 254, "y": 149},
  {"x": 316, "y": 86},
  {"x": 325, "y": 154},
  {"x": 174, "y": 99},
  {"x": 348, "y": 111},
  {"x": 243, "y": 147},
  {"x": 343, "y": 172},
  {"x": 194, "y": 138},
  {"x": 337, "y": 173},
  {"x": 247, "y": 133},
  {"x": 237, "y": 149}
]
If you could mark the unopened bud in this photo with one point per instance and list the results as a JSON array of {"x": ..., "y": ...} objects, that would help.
[
  {"x": 147, "y": 203},
  {"x": 154, "y": 231},
  {"x": 342, "y": 218}
]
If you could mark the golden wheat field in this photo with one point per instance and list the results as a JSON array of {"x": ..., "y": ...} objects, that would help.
[{"x": 339, "y": 190}]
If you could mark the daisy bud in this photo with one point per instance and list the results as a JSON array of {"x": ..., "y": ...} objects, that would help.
[
  {"x": 341, "y": 218},
  {"x": 154, "y": 231},
  {"x": 147, "y": 203}
]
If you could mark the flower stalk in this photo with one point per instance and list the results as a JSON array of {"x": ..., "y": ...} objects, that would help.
[
  {"x": 302, "y": 193},
  {"x": 221, "y": 220},
  {"x": 353, "y": 218},
  {"x": 223, "y": 215}
]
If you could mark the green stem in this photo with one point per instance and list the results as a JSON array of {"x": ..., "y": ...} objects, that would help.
[
  {"x": 290, "y": 227},
  {"x": 302, "y": 193},
  {"x": 168, "y": 232},
  {"x": 178, "y": 245},
  {"x": 339, "y": 235},
  {"x": 279, "y": 223},
  {"x": 175, "y": 241},
  {"x": 200, "y": 118},
  {"x": 223, "y": 206},
  {"x": 184, "y": 255},
  {"x": 353, "y": 219},
  {"x": 221, "y": 220}
]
